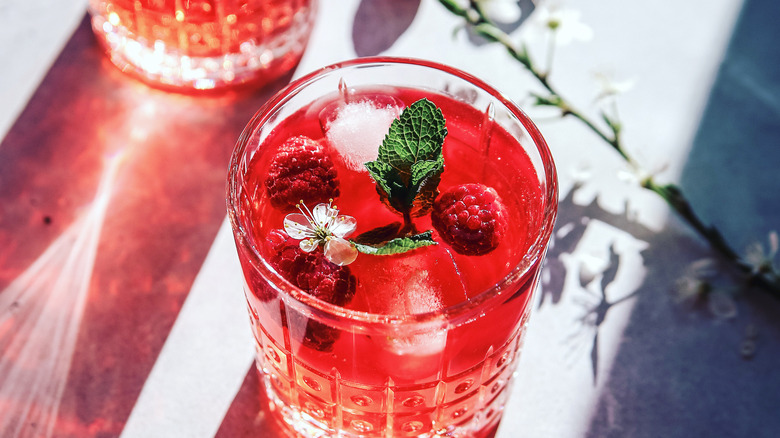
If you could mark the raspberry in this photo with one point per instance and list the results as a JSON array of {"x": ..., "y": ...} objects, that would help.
[
  {"x": 301, "y": 170},
  {"x": 314, "y": 274},
  {"x": 471, "y": 218}
]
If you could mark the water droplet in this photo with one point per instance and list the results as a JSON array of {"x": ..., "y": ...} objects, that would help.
[
  {"x": 486, "y": 130},
  {"x": 343, "y": 90},
  {"x": 459, "y": 413}
]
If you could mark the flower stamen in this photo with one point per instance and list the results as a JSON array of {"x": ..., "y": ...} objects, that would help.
[{"x": 323, "y": 226}]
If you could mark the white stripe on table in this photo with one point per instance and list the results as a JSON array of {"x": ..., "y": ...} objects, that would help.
[{"x": 205, "y": 358}]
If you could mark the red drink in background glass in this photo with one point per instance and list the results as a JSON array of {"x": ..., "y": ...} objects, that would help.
[
  {"x": 428, "y": 343},
  {"x": 203, "y": 44}
]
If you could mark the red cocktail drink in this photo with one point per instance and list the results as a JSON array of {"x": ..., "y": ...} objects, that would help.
[
  {"x": 203, "y": 44},
  {"x": 398, "y": 314}
]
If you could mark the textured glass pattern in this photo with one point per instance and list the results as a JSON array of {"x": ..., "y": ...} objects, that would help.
[{"x": 456, "y": 404}]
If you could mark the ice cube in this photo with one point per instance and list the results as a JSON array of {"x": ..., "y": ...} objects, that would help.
[
  {"x": 420, "y": 281},
  {"x": 417, "y": 293},
  {"x": 356, "y": 128}
]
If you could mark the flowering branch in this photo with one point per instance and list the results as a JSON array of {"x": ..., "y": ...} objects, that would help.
[{"x": 759, "y": 270}]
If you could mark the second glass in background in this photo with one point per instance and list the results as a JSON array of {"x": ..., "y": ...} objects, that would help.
[{"x": 203, "y": 44}]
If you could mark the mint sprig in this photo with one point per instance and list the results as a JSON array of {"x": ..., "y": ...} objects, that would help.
[
  {"x": 398, "y": 245},
  {"x": 407, "y": 172},
  {"x": 410, "y": 161}
]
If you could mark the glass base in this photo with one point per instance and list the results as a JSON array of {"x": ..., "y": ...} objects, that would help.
[
  {"x": 157, "y": 64},
  {"x": 300, "y": 424}
]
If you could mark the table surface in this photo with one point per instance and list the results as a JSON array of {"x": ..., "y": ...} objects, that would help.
[{"x": 121, "y": 311}]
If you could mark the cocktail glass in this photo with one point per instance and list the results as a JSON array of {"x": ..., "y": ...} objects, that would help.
[
  {"x": 400, "y": 368},
  {"x": 203, "y": 44}
]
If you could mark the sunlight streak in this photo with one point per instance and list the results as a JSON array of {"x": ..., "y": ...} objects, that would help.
[{"x": 40, "y": 315}]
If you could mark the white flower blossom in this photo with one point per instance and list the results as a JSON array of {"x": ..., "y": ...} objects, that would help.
[
  {"x": 323, "y": 225},
  {"x": 501, "y": 11},
  {"x": 695, "y": 283},
  {"x": 563, "y": 22},
  {"x": 638, "y": 175},
  {"x": 762, "y": 261},
  {"x": 609, "y": 88}
]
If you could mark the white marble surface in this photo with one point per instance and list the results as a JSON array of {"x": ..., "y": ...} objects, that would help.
[{"x": 671, "y": 49}]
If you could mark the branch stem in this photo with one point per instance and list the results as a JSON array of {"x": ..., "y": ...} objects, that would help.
[{"x": 672, "y": 194}]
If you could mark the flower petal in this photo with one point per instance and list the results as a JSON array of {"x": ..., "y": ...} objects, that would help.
[
  {"x": 340, "y": 252},
  {"x": 343, "y": 226},
  {"x": 309, "y": 245},
  {"x": 501, "y": 11},
  {"x": 754, "y": 254},
  {"x": 773, "y": 244},
  {"x": 703, "y": 268},
  {"x": 323, "y": 214},
  {"x": 609, "y": 88},
  {"x": 565, "y": 22},
  {"x": 298, "y": 226}
]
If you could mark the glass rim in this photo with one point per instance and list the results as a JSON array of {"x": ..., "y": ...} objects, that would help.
[{"x": 516, "y": 275}]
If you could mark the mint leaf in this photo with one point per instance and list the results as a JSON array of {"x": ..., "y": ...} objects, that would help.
[
  {"x": 423, "y": 170},
  {"x": 410, "y": 161},
  {"x": 415, "y": 136},
  {"x": 398, "y": 245},
  {"x": 381, "y": 173}
]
